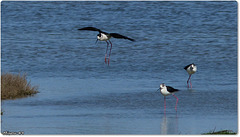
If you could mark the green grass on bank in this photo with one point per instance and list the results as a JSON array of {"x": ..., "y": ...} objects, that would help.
[
  {"x": 221, "y": 132},
  {"x": 16, "y": 86}
]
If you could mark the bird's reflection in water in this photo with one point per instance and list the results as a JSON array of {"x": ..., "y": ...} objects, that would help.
[{"x": 169, "y": 124}]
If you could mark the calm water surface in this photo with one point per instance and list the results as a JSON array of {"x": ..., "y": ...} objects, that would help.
[{"x": 80, "y": 94}]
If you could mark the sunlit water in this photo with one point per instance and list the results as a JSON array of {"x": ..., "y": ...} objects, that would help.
[{"x": 80, "y": 94}]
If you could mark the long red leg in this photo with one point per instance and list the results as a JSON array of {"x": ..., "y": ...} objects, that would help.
[
  {"x": 164, "y": 104},
  {"x": 188, "y": 80},
  {"x": 176, "y": 101},
  {"x": 191, "y": 83},
  {"x": 109, "y": 52},
  {"x": 106, "y": 52}
]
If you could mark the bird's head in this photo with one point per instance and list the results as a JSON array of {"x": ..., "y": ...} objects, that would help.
[
  {"x": 194, "y": 67},
  {"x": 162, "y": 85},
  {"x": 98, "y": 38}
]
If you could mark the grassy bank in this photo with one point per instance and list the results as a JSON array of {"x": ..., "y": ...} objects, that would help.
[
  {"x": 16, "y": 86},
  {"x": 222, "y": 132}
]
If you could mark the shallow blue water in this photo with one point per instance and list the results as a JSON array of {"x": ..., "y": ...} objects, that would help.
[{"x": 80, "y": 94}]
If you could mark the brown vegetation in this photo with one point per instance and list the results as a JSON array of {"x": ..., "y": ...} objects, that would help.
[{"x": 16, "y": 86}]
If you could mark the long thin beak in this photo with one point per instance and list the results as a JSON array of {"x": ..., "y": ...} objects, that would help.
[
  {"x": 157, "y": 90},
  {"x": 96, "y": 41}
]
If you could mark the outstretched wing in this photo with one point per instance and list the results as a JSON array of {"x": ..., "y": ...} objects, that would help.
[
  {"x": 91, "y": 29},
  {"x": 171, "y": 89},
  {"x": 116, "y": 35}
]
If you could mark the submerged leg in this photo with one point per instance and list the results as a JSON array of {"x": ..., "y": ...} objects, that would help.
[
  {"x": 109, "y": 52},
  {"x": 106, "y": 52},
  {"x": 176, "y": 101}
]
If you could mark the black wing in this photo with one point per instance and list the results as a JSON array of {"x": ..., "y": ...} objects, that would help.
[
  {"x": 187, "y": 66},
  {"x": 116, "y": 35},
  {"x": 91, "y": 29},
  {"x": 171, "y": 89}
]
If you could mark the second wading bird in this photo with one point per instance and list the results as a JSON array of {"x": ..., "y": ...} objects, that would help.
[
  {"x": 191, "y": 69},
  {"x": 104, "y": 36}
]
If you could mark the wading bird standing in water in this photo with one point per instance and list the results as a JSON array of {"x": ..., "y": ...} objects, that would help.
[
  {"x": 167, "y": 90},
  {"x": 191, "y": 69},
  {"x": 104, "y": 36}
]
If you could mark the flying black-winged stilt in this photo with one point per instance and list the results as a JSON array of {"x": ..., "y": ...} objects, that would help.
[
  {"x": 191, "y": 69},
  {"x": 167, "y": 90},
  {"x": 104, "y": 36}
]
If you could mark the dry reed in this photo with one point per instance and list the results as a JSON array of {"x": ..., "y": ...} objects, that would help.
[{"x": 16, "y": 86}]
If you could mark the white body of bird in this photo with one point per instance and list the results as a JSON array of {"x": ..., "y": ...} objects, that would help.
[
  {"x": 163, "y": 90},
  {"x": 191, "y": 69},
  {"x": 103, "y": 37}
]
